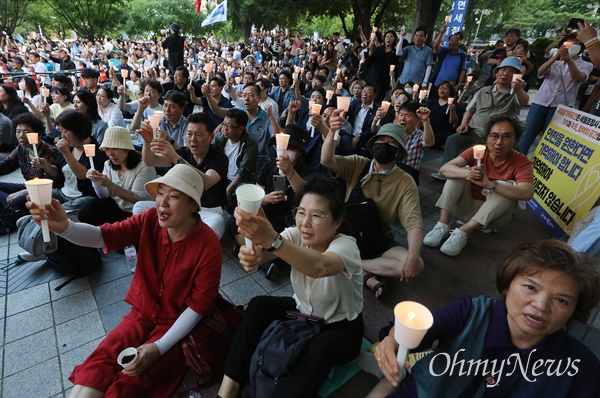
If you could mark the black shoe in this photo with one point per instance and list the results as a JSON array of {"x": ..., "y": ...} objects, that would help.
[
  {"x": 236, "y": 250},
  {"x": 268, "y": 269}
]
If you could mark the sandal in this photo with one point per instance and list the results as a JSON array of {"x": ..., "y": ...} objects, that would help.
[{"x": 379, "y": 287}]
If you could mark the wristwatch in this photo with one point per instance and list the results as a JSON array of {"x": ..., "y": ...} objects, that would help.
[
  {"x": 181, "y": 160},
  {"x": 276, "y": 244}
]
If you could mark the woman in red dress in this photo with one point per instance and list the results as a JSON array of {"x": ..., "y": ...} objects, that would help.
[{"x": 175, "y": 284}]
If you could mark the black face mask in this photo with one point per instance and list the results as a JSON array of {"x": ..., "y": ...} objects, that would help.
[{"x": 384, "y": 153}]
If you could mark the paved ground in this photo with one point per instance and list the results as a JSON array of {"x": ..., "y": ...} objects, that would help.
[{"x": 44, "y": 333}]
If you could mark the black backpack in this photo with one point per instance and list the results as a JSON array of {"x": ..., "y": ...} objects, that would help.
[
  {"x": 73, "y": 260},
  {"x": 361, "y": 221},
  {"x": 274, "y": 358}
]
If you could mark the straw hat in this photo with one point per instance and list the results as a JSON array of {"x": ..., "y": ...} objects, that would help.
[
  {"x": 117, "y": 138},
  {"x": 181, "y": 177}
]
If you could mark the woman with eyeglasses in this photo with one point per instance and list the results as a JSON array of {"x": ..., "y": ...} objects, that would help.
[{"x": 326, "y": 278}]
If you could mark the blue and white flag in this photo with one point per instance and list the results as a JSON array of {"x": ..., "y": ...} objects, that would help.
[{"x": 218, "y": 14}]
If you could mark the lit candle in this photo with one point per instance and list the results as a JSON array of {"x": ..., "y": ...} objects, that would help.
[
  {"x": 281, "y": 141},
  {"x": 416, "y": 88},
  {"x": 125, "y": 73},
  {"x": 385, "y": 105},
  {"x": 45, "y": 93},
  {"x": 329, "y": 95},
  {"x": 343, "y": 103},
  {"x": 568, "y": 44},
  {"x": 90, "y": 152},
  {"x": 410, "y": 319},
  {"x": 450, "y": 102},
  {"x": 515, "y": 77},
  {"x": 40, "y": 192},
  {"x": 33, "y": 140},
  {"x": 238, "y": 80},
  {"x": 478, "y": 152},
  {"x": 469, "y": 79},
  {"x": 447, "y": 18},
  {"x": 422, "y": 94},
  {"x": 392, "y": 68},
  {"x": 339, "y": 86}
]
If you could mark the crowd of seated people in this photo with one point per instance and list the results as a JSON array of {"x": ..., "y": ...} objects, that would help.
[{"x": 187, "y": 131}]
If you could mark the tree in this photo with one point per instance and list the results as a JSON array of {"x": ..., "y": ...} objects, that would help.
[
  {"x": 144, "y": 16},
  {"x": 13, "y": 14},
  {"x": 90, "y": 18}
]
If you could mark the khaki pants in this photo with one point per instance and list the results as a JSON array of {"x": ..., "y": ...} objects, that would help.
[{"x": 494, "y": 212}]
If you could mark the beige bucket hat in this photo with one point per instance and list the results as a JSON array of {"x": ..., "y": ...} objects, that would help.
[
  {"x": 117, "y": 138},
  {"x": 181, "y": 177}
]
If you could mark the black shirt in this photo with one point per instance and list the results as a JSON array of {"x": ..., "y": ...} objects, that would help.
[
  {"x": 174, "y": 43},
  {"x": 215, "y": 196}
]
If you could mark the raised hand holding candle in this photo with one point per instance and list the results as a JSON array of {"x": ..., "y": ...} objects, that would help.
[
  {"x": 450, "y": 102},
  {"x": 422, "y": 94},
  {"x": 392, "y": 68},
  {"x": 40, "y": 192},
  {"x": 516, "y": 77},
  {"x": 478, "y": 152},
  {"x": 249, "y": 197},
  {"x": 413, "y": 320},
  {"x": 343, "y": 103},
  {"x": 33, "y": 140}
]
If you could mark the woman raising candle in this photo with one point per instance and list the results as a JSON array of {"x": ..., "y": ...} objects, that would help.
[
  {"x": 175, "y": 284},
  {"x": 327, "y": 280}
]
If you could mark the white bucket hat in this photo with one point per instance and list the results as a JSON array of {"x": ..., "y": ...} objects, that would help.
[
  {"x": 181, "y": 177},
  {"x": 117, "y": 138}
]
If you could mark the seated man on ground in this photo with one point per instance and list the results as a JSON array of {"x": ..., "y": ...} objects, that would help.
[
  {"x": 497, "y": 99},
  {"x": 483, "y": 196},
  {"x": 202, "y": 156},
  {"x": 394, "y": 193}
]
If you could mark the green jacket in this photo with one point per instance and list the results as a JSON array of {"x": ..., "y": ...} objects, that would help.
[{"x": 247, "y": 155}]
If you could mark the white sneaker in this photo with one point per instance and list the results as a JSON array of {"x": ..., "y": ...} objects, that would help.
[
  {"x": 435, "y": 237},
  {"x": 26, "y": 256},
  {"x": 438, "y": 176},
  {"x": 455, "y": 243}
]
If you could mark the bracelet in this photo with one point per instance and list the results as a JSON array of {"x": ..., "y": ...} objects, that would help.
[
  {"x": 591, "y": 42},
  {"x": 293, "y": 174}
]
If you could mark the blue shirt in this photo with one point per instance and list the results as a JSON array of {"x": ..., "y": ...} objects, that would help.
[
  {"x": 415, "y": 64},
  {"x": 260, "y": 129},
  {"x": 451, "y": 66},
  {"x": 177, "y": 132}
]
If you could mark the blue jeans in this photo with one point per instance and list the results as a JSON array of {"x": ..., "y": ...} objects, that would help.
[
  {"x": 6, "y": 188},
  {"x": 538, "y": 119}
]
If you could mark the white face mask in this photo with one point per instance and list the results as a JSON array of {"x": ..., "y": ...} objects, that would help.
[
  {"x": 408, "y": 90},
  {"x": 574, "y": 50}
]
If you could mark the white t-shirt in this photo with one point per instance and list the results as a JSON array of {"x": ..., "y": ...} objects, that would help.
[
  {"x": 336, "y": 297},
  {"x": 231, "y": 150},
  {"x": 69, "y": 189},
  {"x": 147, "y": 112}
]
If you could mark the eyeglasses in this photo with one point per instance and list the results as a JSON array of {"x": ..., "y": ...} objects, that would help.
[
  {"x": 505, "y": 137},
  {"x": 316, "y": 217},
  {"x": 229, "y": 126}
]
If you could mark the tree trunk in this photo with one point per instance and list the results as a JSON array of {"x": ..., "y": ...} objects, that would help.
[
  {"x": 247, "y": 29},
  {"x": 362, "y": 16},
  {"x": 426, "y": 14}
]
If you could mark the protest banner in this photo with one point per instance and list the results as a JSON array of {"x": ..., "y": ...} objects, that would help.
[{"x": 566, "y": 167}]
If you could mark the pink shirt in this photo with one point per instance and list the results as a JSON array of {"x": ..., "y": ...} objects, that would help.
[{"x": 551, "y": 94}]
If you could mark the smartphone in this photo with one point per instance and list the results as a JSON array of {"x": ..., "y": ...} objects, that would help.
[
  {"x": 573, "y": 23},
  {"x": 279, "y": 183},
  {"x": 296, "y": 315}
]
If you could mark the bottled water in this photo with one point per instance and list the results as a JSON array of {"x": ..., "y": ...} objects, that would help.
[{"x": 131, "y": 256}]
